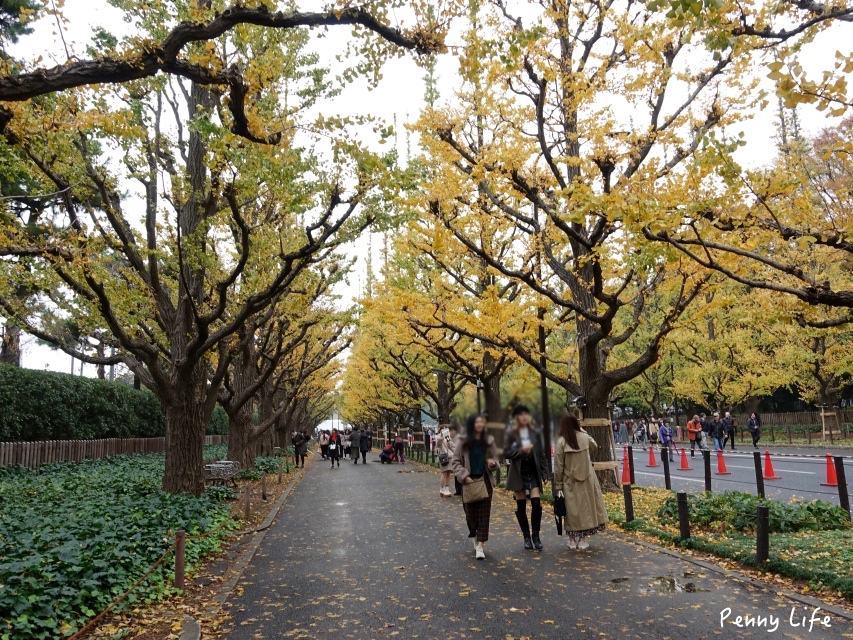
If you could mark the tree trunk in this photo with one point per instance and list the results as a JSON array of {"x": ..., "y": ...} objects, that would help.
[
  {"x": 266, "y": 441},
  {"x": 241, "y": 444},
  {"x": 10, "y": 350},
  {"x": 495, "y": 410},
  {"x": 444, "y": 399},
  {"x": 596, "y": 391},
  {"x": 186, "y": 422}
]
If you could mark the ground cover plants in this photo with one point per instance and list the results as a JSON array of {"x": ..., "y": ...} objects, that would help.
[
  {"x": 73, "y": 537},
  {"x": 810, "y": 541}
]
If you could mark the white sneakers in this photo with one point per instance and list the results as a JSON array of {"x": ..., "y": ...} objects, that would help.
[
  {"x": 577, "y": 544},
  {"x": 479, "y": 553},
  {"x": 445, "y": 492}
]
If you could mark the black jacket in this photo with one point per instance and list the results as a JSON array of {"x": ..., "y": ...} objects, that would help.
[{"x": 717, "y": 429}]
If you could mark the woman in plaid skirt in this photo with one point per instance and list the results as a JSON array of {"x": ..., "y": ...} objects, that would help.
[{"x": 474, "y": 457}]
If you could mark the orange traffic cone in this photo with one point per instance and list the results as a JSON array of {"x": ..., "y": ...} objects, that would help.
[
  {"x": 769, "y": 474},
  {"x": 721, "y": 465},
  {"x": 652, "y": 461},
  {"x": 684, "y": 465},
  {"x": 626, "y": 471},
  {"x": 831, "y": 478}
]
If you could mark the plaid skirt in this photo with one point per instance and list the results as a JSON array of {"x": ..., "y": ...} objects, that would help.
[{"x": 477, "y": 515}]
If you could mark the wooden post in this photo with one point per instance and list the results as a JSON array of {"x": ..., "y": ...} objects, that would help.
[
  {"x": 264, "y": 487},
  {"x": 788, "y": 427},
  {"x": 631, "y": 464},
  {"x": 762, "y": 535},
  {"x": 280, "y": 466},
  {"x": 629, "y": 502},
  {"x": 706, "y": 459},
  {"x": 843, "y": 496},
  {"x": 180, "y": 558},
  {"x": 759, "y": 475},
  {"x": 664, "y": 457},
  {"x": 683, "y": 517},
  {"x": 246, "y": 498}
]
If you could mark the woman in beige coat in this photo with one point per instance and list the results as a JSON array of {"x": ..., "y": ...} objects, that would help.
[{"x": 575, "y": 480}]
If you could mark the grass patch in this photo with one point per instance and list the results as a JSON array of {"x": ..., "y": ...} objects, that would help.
[
  {"x": 818, "y": 548},
  {"x": 74, "y": 536}
]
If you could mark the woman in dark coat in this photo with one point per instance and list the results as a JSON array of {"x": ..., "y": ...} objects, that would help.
[
  {"x": 365, "y": 444},
  {"x": 300, "y": 448},
  {"x": 528, "y": 473}
]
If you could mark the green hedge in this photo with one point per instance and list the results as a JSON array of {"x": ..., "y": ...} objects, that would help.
[{"x": 45, "y": 405}]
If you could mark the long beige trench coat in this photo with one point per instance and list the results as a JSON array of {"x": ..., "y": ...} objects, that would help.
[{"x": 574, "y": 475}]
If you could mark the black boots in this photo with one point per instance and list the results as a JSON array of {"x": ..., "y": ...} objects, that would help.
[{"x": 521, "y": 515}]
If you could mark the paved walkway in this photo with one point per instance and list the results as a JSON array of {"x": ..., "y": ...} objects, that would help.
[{"x": 372, "y": 551}]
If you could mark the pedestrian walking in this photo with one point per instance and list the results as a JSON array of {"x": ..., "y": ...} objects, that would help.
[
  {"x": 706, "y": 430},
  {"x": 355, "y": 440},
  {"x": 300, "y": 448},
  {"x": 527, "y": 475},
  {"x": 323, "y": 441},
  {"x": 474, "y": 458},
  {"x": 411, "y": 437},
  {"x": 694, "y": 434},
  {"x": 576, "y": 482},
  {"x": 640, "y": 433},
  {"x": 334, "y": 448},
  {"x": 444, "y": 446},
  {"x": 728, "y": 430},
  {"x": 665, "y": 436},
  {"x": 347, "y": 444},
  {"x": 717, "y": 431},
  {"x": 653, "y": 431},
  {"x": 365, "y": 444},
  {"x": 754, "y": 426},
  {"x": 623, "y": 432}
]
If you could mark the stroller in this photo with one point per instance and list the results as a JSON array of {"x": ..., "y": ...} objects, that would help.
[{"x": 387, "y": 454}]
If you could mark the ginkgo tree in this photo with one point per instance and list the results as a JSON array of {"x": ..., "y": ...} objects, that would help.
[
  {"x": 782, "y": 228},
  {"x": 575, "y": 125},
  {"x": 164, "y": 274}
]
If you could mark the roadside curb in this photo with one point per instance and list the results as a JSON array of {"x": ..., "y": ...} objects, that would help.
[
  {"x": 191, "y": 628},
  {"x": 739, "y": 577}
]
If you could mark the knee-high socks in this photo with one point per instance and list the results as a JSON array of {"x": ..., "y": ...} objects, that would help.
[{"x": 535, "y": 515}]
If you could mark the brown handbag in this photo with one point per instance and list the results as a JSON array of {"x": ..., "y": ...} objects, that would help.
[{"x": 475, "y": 491}]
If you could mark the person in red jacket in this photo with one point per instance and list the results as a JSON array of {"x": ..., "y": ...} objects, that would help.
[
  {"x": 694, "y": 434},
  {"x": 335, "y": 445}
]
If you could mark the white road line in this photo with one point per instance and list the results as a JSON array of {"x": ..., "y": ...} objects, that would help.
[
  {"x": 807, "y": 473},
  {"x": 643, "y": 473}
]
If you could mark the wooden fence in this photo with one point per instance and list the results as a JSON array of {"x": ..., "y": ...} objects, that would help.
[
  {"x": 794, "y": 419},
  {"x": 34, "y": 454}
]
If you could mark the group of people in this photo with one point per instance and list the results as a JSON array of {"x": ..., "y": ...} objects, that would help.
[
  {"x": 472, "y": 458},
  {"x": 392, "y": 452},
  {"x": 351, "y": 444},
  {"x": 721, "y": 430}
]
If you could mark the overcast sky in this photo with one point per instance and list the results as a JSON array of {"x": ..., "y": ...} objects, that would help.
[{"x": 399, "y": 94}]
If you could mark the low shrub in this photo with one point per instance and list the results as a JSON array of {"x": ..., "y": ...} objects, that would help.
[
  {"x": 75, "y": 536},
  {"x": 736, "y": 511}
]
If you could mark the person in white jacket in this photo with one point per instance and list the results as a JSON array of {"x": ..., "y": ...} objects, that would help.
[{"x": 444, "y": 447}]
